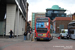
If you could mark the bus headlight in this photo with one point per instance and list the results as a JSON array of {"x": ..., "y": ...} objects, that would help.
[{"x": 35, "y": 37}]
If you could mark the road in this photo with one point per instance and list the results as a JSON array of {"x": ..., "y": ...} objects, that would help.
[{"x": 55, "y": 44}]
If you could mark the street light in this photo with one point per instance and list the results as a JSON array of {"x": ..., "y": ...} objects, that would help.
[{"x": 70, "y": 14}]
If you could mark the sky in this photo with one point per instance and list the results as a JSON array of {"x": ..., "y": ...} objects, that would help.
[{"x": 42, "y": 5}]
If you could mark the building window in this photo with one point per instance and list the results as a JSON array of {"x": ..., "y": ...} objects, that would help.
[
  {"x": 49, "y": 12},
  {"x": 57, "y": 15},
  {"x": 40, "y": 15},
  {"x": 56, "y": 11},
  {"x": 61, "y": 27},
  {"x": 69, "y": 15},
  {"x": 62, "y": 15},
  {"x": 33, "y": 19}
]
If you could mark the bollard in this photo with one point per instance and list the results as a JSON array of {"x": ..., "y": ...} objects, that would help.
[
  {"x": 58, "y": 37},
  {"x": 32, "y": 38},
  {"x": 28, "y": 36}
]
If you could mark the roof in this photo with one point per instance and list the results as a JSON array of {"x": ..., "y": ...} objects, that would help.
[
  {"x": 62, "y": 18},
  {"x": 56, "y": 7}
]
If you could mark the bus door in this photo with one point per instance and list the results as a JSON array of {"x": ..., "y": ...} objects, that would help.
[{"x": 72, "y": 33}]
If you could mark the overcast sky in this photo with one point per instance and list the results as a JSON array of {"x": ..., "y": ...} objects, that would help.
[{"x": 41, "y": 5}]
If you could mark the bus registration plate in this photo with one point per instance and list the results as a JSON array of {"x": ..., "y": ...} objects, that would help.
[{"x": 41, "y": 38}]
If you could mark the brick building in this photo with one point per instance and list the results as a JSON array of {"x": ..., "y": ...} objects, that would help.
[
  {"x": 60, "y": 23},
  {"x": 27, "y": 5}
]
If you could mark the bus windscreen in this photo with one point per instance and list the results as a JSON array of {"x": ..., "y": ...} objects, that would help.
[{"x": 41, "y": 30}]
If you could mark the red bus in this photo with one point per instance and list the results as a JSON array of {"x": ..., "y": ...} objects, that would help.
[{"x": 42, "y": 28}]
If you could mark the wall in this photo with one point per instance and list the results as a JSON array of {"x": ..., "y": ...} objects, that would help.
[
  {"x": 14, "y": 20},
  {"x": 19, "y": 24},
  {"x": 61, "y": 22},
  {"x": 39, "y": 15},
  {"x": 10, "y": 17}
]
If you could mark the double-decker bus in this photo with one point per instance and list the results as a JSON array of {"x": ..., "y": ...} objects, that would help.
[
  {"x": 42, "y": 28},
  {"x": 71, "y": 30}
]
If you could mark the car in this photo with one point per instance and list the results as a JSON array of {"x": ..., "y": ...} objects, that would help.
[{"x": 64, "y": 34}]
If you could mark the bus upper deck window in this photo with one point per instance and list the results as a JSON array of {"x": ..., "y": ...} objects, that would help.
[{"x": 41, "y": 25}]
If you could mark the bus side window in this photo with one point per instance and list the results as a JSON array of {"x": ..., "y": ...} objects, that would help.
[{"x": 72, "y": 32}]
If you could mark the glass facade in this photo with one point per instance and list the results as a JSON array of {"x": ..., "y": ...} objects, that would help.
[
  {"x": 22, "y": 4},
  {"x": 2, "y": 27},
  {"x": 33, "y": 20},
  {"x": 56, "y": 11},
  {"x": 50, "y": 11}
]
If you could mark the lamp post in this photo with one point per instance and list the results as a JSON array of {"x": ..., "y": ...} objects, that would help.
[{"x": 70, "y": 14}]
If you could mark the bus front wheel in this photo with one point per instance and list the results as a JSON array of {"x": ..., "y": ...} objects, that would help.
[{"x": 50, "y": 38}]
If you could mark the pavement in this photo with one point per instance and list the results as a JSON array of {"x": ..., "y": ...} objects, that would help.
[
  {"x": 55, "y": 35},
  {"x": 21, "y": 44},
  {"x": 55, "y": 44},
  {"x": 21, "y": 38},
  {"x": 6, "y": 41},
  {"x": 15, "y": 39}
]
